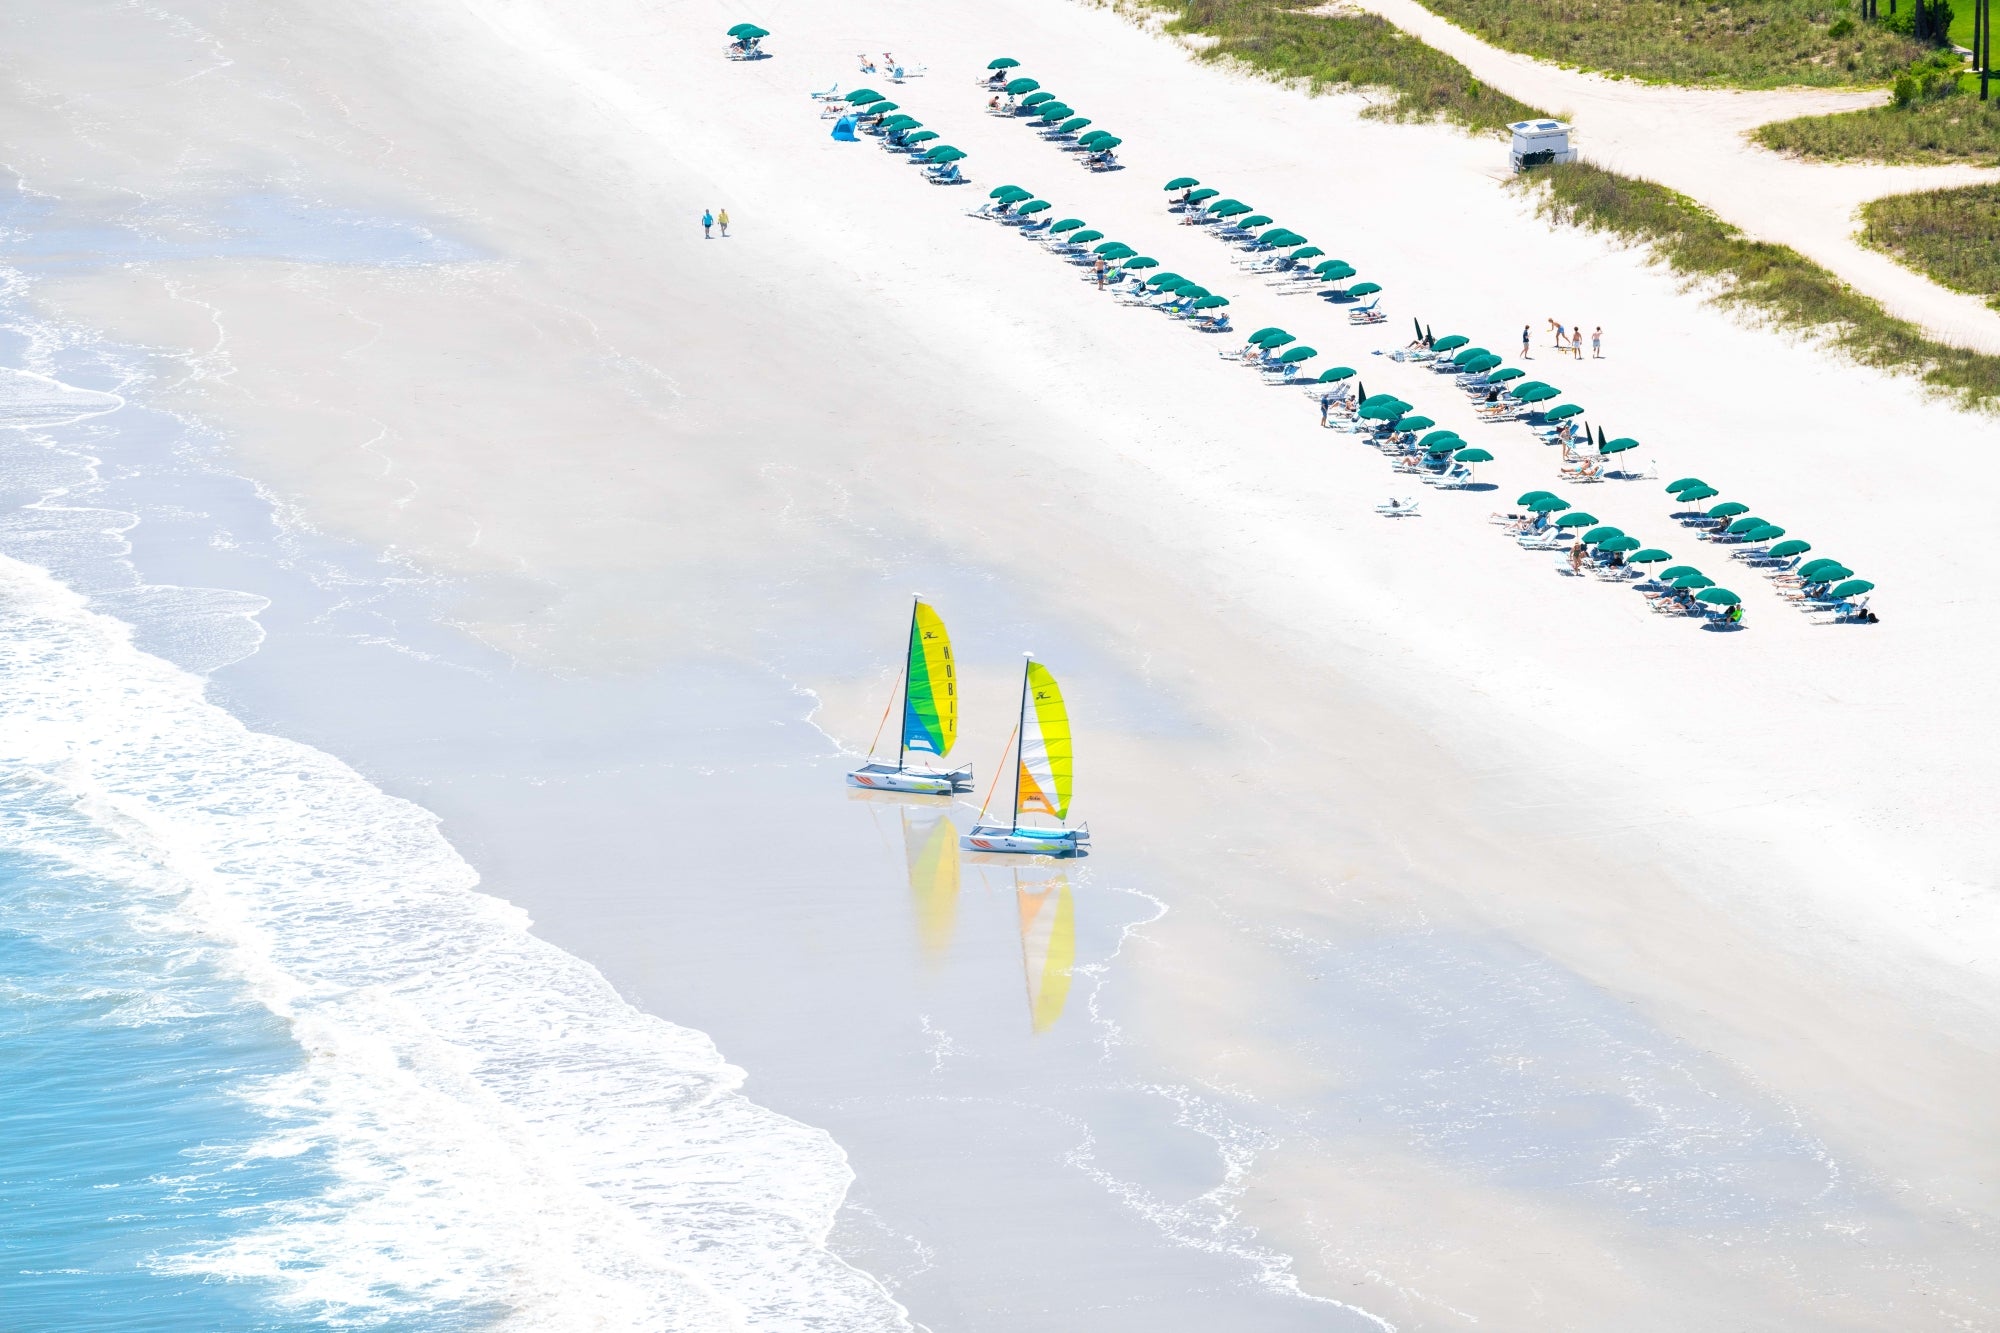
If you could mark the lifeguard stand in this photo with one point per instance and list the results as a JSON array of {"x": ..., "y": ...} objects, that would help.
[{"x": 1539, "y": 142}]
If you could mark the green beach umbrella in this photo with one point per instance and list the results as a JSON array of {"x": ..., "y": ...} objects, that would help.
[
  {"x": 1072, "y": 125},
  {"x": 1171, "y": 285},
  {"x": 1450, "y": 342},
  {"x": 921, "y": 136},
  {"x": 1676, "y": 487},
  {"x": 1002, "y": 62},
  {"x": 1307, "y": 252},
  {"x": 863, "y": 96},
  {"x": 1415, "y": 423},
  {"x": 1519, "y": 389},
  {"x": 882, "y": 109},
  {"x": 1364, "y": 289},
  {"x": 1602, "y": 534},
  {"x": 1681, "y": 572},
  {"x": 1053, "y": 111},
  {"x": 1717, "y": 597},
  {"x": 1533, "y": 496},
  {"x": 1382, "y": 398},
  {"x": 1786, "y": 550},
  {"x": 945, "y": 153},
  {"x": 1696, "y": 494},
  {"x": 1469, "y": 354},
  {"x": 1182, "y": 183},
  {"x": 1727, "y": 509},
  {"x": 1536, "y": 393},
  {"x": 894, "y": 123},
  {"x": 1142, "y": 261},
  {"x": 749, "y": 30},
  {"x": 1380, "y": 411},
  {"x": 1619, "y": 543},
  {"x": 1085, "y": 237},
  {"x": 1165, "y": 280},
  {"x": 1192, "y": 291},
  {"x": 1035, "y": 99},
  {"x": 1562, "y": 413},
  {"x": 1577, "y": 520},
  {"x": 1690, "y": 582},
  {"x": 1480, "y": 364},
  {"x": 1296, "y": 355},
  {"x": 1033, "y": 206},
  {"x": 1447, "y": 436},
  {"x": 1109, "y": 246},
  {"x": 1091, "y": 139},
  {"x": 1746, "y": 524},
  {"x": 1651, "y": 555},
  {"x": 1225, "y": 205},
  {"x": 1011, "y": 193},
  {"x": 1211, "y": 302},
  {"x": 1814, "y": 566},
  {"x": 1255, "y": 220},
  {"x": 1827, "y": 572},
  {"x": 1852, "y": 588},
  {"x": 1502, "y": 376},
  {"x": 1473, "y": 456},
  {"x": 1552, "y": 504},
  {"x": 1198, "y": 195},
  {"x": 1617, "y": 446},
  {"x": 1333, "y": 270},
  {"x": 1280, "y": 231},
  {"x": 1337, "y": 374},
  {"x": 1067, "y": 224},
  {"x": 1441, "y": 448},
  {"x": 1768, "y": 532},
  {"x": 1274, "y": 339}
]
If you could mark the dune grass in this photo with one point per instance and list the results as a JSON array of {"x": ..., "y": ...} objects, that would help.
[
  {"x": 1772, "y": 282},
  {"x": 1727, "y": 43},
  {"x": 1943, "y": 131},
  {"x": 1347, "y": 50},
  {"x": 1946, "y": 235}
]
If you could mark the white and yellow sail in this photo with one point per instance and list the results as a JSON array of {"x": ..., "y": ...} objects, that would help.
[
  {"x": 1047, "y": 759},
  {"x": 1048, "y": 946}
]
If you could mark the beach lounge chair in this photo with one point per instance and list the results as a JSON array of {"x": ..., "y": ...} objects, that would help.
[
  {"x": 944, "y": 175},
  {"x": 1554, "y": 539},
  {"x": 830, "y": 92},
  {"x": 1397, "y": 506},
  {"x": 1367, "y": 314}
]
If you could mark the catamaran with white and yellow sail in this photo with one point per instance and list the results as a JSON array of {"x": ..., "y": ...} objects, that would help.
[
  {"x": 930, "y": 715},
  {"x": 1043, "y": 772}
]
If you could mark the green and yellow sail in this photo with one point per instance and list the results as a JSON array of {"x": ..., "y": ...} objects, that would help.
[{"x": 930, "y": 694}]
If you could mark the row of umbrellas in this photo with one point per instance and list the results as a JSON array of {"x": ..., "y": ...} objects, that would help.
[
  {"x": 1024, "y": 204},
  {"x": 1738, "y": 520},
  {"x": 1614, "y": 540},
  {"x": 898, "y": 122},
  {"x": 1244, "y": 217},
  {"x": 1052, "y": 111}
]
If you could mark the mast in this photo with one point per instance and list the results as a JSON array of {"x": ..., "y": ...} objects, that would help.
[
  {"x": 909, "y": 647},
  {"x": 1022, "y": 731}
]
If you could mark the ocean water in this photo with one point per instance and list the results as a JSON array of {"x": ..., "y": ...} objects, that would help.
[{"x": 273, "y": 1059}]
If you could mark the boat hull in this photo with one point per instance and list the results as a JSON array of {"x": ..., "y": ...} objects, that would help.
[
  {"x": 919, "y": 781},
  {"x": 1027, "y": 842}
]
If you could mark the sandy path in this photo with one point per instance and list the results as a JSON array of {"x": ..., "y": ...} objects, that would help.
[{"x": 1624, "y": 125}]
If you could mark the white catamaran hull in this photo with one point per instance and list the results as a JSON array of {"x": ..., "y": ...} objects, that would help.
[
  {"x": 1029, "y": 841},
  {"x": 921, "y": 781}
]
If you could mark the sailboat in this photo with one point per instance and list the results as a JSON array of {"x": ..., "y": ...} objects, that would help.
[
  {"x": 1048, "y": 945},
  {"x": 930, "y": 715},
  {"x": 1042, "y": 776}
]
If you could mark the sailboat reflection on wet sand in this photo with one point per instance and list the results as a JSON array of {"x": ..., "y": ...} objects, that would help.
[
  {"x": 930, "y": 846},
  {"x": 1048, "y": 942}
]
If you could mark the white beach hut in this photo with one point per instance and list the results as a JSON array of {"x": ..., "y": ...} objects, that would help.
[{"x": 1540, "y": 141}]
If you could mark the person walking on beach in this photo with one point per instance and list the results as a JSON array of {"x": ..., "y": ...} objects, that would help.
[
  {"x": 1576, "y": 342},
  {"x": 1559, "y": 335},
  {"x": 707, "y": 221},
  {"x": 1101, "y": 266},
  {"x": 1597, "y": 343},
  {"x": 722, "y": 220},
  {"x": 1525, "y": 353},
  {"x": 1576, "y": 557}
]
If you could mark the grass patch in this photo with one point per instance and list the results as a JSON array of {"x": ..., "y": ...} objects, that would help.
[
  {"x": 1946, "y": 235},
  {"x": 1358, "y": 50},
  {"x": 1954, "y": 129},
  {"x": 1773, "y": 282},
  {"x": 1724, "y": 43}
]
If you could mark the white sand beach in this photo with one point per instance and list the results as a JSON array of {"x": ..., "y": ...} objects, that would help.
[{"x": 1562, "y": 965}]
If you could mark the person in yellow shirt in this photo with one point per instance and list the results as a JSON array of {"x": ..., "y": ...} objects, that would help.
[{"x": 722, "y": 220}]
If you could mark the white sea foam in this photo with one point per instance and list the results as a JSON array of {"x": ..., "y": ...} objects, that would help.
[{"x": 503, "y": 1131}]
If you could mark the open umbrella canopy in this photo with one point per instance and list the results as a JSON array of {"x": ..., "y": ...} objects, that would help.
[
  {"x": 1785, "y": 550},
  {"x": 1717, "y": 597},
  {"x": 1676, "y": 487},
  {"x": 894, "y": 123},
  {"x": 1010, "y": 193},
  {"x": 881, "y": 109},
  {"x": 1603, "y": 534},
  {"x": 1727, "y": 509},
  {"x": 1254, "y": 220},
  {"x": 1054, "y": 110},
  {"x": 943, "y": 153},
  {"x": 1562, "y": 413},
  {"x": 747, "y": 30},
  {"x": 1442, "y": 447},
  {"x": 1085, "y": 237},
  {"x": 1620, "y": 543},
  {"x": 1229, "y": 208},
  {"x": 863, "y": 96},
  {"x": 1480, "y": 364},
  {"x": 1541, "y": 394},
  {"x": 1364, "y": 289},
  {"x": 1192, "y": 292},
  {"x": 1296, "y": 355},
  {"x": 1680, "y": 572},
  {"x": 1382, "y": 411},
  {"x": 1533, "y": 496},
  {"x": 1033, "y": 206},
  {"x": 1281, "y": 232},
  {"x": 1449, "y": 436},
  {"x": 1827, "y": 572},
  {"x": 1550, "y": 504},
  {"x": 1694, "y": 580},
  {"x": 1073, "y": 124},
  {"x": 1377, "y": 399},
  {"x": 1334, "y": 270},
  {"x": 1035, "y": 99},
  {"x": 1416, "y": 423},
  {"x": 1211, "y": 302},
  {"x": 1652, "y": 555},
  {"x": 1577, "y": 520},
  {"x": 1746, "y": 524},
  {"x": 1100, "y": 143},
  {"x": 1002, "y": 62},
  {"x": 1766, "y": 532},
  {"x": 1067, "y": 224},
  {"x": 1696, "y": 494},
  {"x": 1182, "y": 183},
  {"x": 1307, "y": 252},
  {"x": 1337, "y": 374},
  {"x": 1473, "y": 456},
  {"x": 1811, "y": 567},
  {"x": 921, "y": 136},
  {"x": 1142, "y": 261},
  {"x": 1171, "y": 283},
  {"x": 1198, "y": 195},
  {"x": 1502, "y": 376},
  {"x": 1852, "y": 588},
  {"x": 1451, "y": 342},
  {"x": 1617, "y": 446},
  {"x": 1270, "y": 339},
  {"x": 1469, "y": 354}
]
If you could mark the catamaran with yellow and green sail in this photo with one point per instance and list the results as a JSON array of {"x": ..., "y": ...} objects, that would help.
[
  {"x": 930, "y": 715},
  {"x": 1043, "y": 773}
]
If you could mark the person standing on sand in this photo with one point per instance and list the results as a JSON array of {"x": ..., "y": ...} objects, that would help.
[
  {"x": 1576, "y": 557},
  {"x": 1597, "y": 343},
  {"x": 1576, "y": 342},
  {"x": 722, "y": 220},
  {"x": 1525, "y": 353},
  {"x": 707, "y": 221},
  {"x": 1100, "y": 272}
]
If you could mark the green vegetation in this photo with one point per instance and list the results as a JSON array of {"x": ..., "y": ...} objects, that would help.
[
  {"x": 1936, "y": 117},
  {"x": 1723, "y": 43},
  {"x": 1358, "y": 50},
  {"x": 1774, "y": 282},
  {"x": 1946, "y": 235}
]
